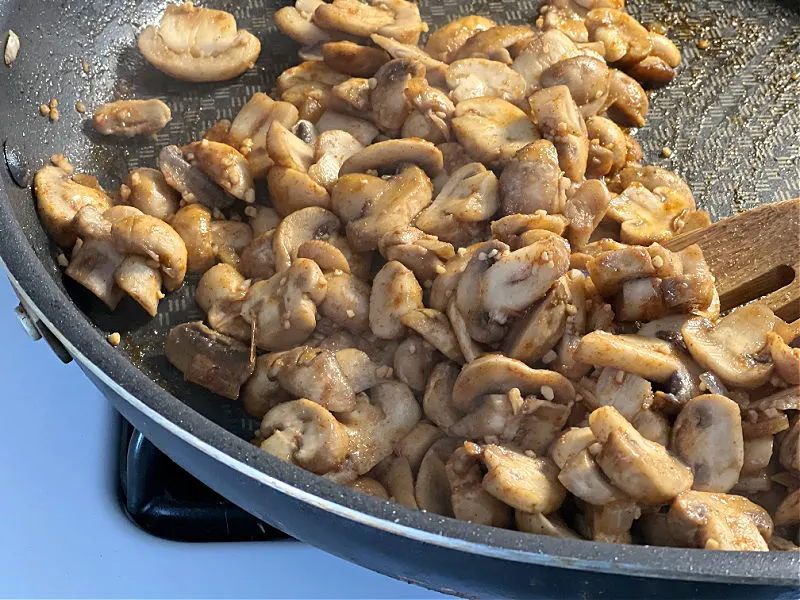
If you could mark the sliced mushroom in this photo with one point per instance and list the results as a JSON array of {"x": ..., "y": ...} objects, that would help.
[
  {"x": 152, "y": 238},
  {"x": 585, "y": 209},
  {"x": 390, "y": 105},
  {"x": 359, "y": 370},
  {"x": 331, "y": 150},
  {"x": 287, "y": 150},
  {"x": 479, "y": 77},
  {"x": 315, "y": 374},
  {"x": 141, "y": 282},
  {"x": 608, "y": 147},
  {"x": 229, "y": 239},
  {"x": 460, "y": 211},
  {"x": 494, "y": 373},
  {"x": 517, "y": 230},
  {"x": 445, "y": 42},
  {"x": 389, "y": 155},
  {"x": 306, "y": 434},
  {"x": 282, "y": 309},
  {"x": 395, "y": 291},
  {"x": 626, "y": 392},
  {"x": 147, "y": 190},
  {"x": 719, "y": 522},
  {"x": 395, "y": 473},
  {"x": 413, "y": 362},
  {"x": 351, "y": 96},
  {"x": 129, "y": 118},
  {"x": 788, "y": 512},
  {"x": 520, "y": 278},
  {"x": 492, "y": 130},
  {"x": 438, "y": 398},
  {"x": 257, "y": 260},
  {"x": 292, "y": 190},
  {"x": 587, "y": 78},
  {"x": 397, "y": 19},
  {"x": 565, "y": 19},
  {"x": 676, "y": 191},
  {"x": 190, "y": 181},
  {"x": 494, "y": 43},
  {"x": 435, "y": 69},
  {"x": 199, "y": 44},
  {"x": 432, "y": 488},
  {"x": 220, "y": 294},
  {"x": 371, "y": 487},
  {"x": 59, "y": 197},
  {"x": 467, "y": 290},
  {"x": 609, "y": 270},
  {"x": 559, "y": 120},
  {"x": 611, "y": 522},
  {"x": 435, "y": 328},
  {"x": 469, "y": 348},
  {"x": 432, "y": 112},
  {"x": 424, "y": 254},
  {"x": 529, "y": 484},
  {"x": 626, "y": 41},
  {"x": 533, "y": 180},
  {"x": 627, "y": 100},
  {"x": 415, "y": 445},
  {"x": 205, "y": 357},
  {"x": 225, "y": 166},
  {"x": 353, "y": 59},
  {"x": 731, "y": 347},
  {"x": 295, "y": 21},
  {"x": 649, "y": 358},
  {"x": 567, "y": 362},
  {"x": 539, "y": 330},
  {"x": 470, "y": 501},
  {"x": 193, "y": 224},
  {"x": 93, "y": 265},
  {"x": 261, "y": 392},
  {"x": 786, "y": 359},
  {"x": 551, "y": 525},
  {"x": 584, "y": 479},
  {"x": 708, "y": 437},
  {"x": 642, "y": 469},
  {"x": 789, "y": 453},
  {"x": 307, "y": 224},
  {"x": 372, "y": 207},
  {"x": 570, "y": 443},
  {"x": 347, "y": 302}
]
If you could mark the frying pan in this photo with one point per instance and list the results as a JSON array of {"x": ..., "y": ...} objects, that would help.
[{"x": 731, "y": 119}]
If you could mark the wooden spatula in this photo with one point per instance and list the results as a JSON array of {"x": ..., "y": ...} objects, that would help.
[{"x": 754, "y": 255}]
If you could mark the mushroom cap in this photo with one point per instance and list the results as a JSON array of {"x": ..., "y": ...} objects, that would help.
[{"x": 199, "y": 44}]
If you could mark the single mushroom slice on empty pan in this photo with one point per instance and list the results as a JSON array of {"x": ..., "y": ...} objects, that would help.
[
  {"x": 199, "y": 44},
  {"x": 732, "y": 348},
  {"x": 205, "y": 357},
  {"x": 708, "y": 437},
  {"x": 306, "y": 434},
  {"x": 532, "y": 180}
]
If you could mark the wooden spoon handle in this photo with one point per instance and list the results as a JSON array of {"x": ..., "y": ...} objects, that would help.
[{"x": 754, "y": 255}]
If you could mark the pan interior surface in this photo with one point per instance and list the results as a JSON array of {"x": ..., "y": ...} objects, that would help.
[{"x": 731, "y": 119}]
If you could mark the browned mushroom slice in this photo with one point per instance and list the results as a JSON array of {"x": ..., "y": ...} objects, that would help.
[
  {"x": 642, "y": 469},
  {"x": 608, "y": 148},
  {"x": 719, "y": 522},
  {"x": 295, "y": 21},
  {"x": 559, "y": 120},
  {"x": 437, "y": 401},
  {"x": 626, "y": 392},
  {"x": 205, "y": 357},
  {"x": 306, "y": 434},
  {"x": 610, "y": 269},
  {"x": 514, "y": 229},
  {"x": 435, "y": 327},
  {"x": 413, "y": 362},
  {"x": 396, "y": 19},
  {"x": 565, "y": 17},
  {"x": 141, "y": 282},
  {"x": 347, "y": 302},
  {"x": 395, "y": 291},
  {"x": 495, "y": 373},
  {"x": 788, "y": 512},
  {"x": 529, "y": 484},
  {"x": 372, "y": 206},
  {"x": 199, "y": 44},
  {"x": 533, "y": 180},
  {"x": 495, "y": 43},
  {"x": 147, "y": 190},
  {"x": 786, "y": 359},
  {"x": 353, "y": 59},
  {"x": 193, "y": 224},
  {"x": 59, "y": 197},
  {"x": 304, "y": 225},
  {"x": 470, "y": 501},
  {"x": 331, "y": 150},
  {"x": 649, "y": 358},
  {"x": 435, "y": 69},
  {"x": 226, "y": 166},
  {"x": 492, "y": 130},
  {"x": 708, "y": 437},
  {"x": 371, "y": 487},
  {"x": 570, "y": 443},
  {"x": 424, "y": 254},
  {"x": 584, "y": 479},
  {"x": 257, "y": 260},
  {"x": 129, "y": 118},
  {"x": 93, "y": 265},
  {"x": 538, "y": 331},
  {"x": 542, "y": 52},
  {"x": 219, "y": 294},
  {"x": 731, "y": 347},
  {"x": 789, "y": 455},
  {"x": 282, "y": 309},
  {"x": 628, "y": 102},
  {"x": 551, "y": 525},
  {"x": 587, "y": 78},
  {"x": 625, "y": 39},
  {"x": 585, "y": 209},
  {"x": 468, "y": 291},
  {"x": 415, "y": 445},
  {"x": 308, "y": 87},
  {"x": 396, "y": 476},
  {"x": 387, "y": 156},
  {"x": 611, "y": 522},
  {"x": 445, "y": 42},
  {"x": 190, "y": 181},
  {"x": 432, "y": 488},
  {"x": 466, "y": 202},
  {"x": 566, "y": 361}
]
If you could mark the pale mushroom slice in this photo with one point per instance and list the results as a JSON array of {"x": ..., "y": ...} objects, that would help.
[
  {"x": 789, "y": 452},
  {"x": 608, "y": 147},
  {"x": 532, "y": 180},
  {"x": 731, "y": 348},
  {"x": 581, "y": 476},
  {"x": 361, "y": 129},
  {"x": 426, "y": 255},
  {"x": 469, "y": 499},
  {"x": 141, "y": 282},
  {"x": 708, "y": 437},
  {"x": 395, "y": 473},
  {"x": 495, "y": 373},
  {"x": 470, "y": 349},
  {"x": 315, "y": 374},
  {"x": 719, "y": 522},
  {"x": 479, "y": 77},
  {"x": 519, "y": 230},
  {"x": 59, "y": 197},
  {"x": 352, "y": 96},
  {"x": 306, "y": 434},
  {"x": 786, "y": 359},
  {"x": 540, "y": 53},
  {"x": 372, "y": 207},
  {"x": 432, "y": 488},
  {"x": 353, "y": 59},
  {"x": 564, "y": 18},
  {"x": 416, "y": 444},
  {"x": 571, "y": 442},
  {"x": 379, "y": 421},
  {"x": 626, "y": 41},
  {"x": 129, "y": 118},
  {"x": 536, "y": 332},
  {"x": 396, "y": 19},
  {"x": 194, "y": 186},
  {"x": 282, "y": 309},
  {"x": 292, "y": 190},
  {"x": 611, "y": 522},
  {"x": 248, "y": 131},
  {"x": 301, "y": 226},
  {"x": 495, "y": 43},
  {"x": 390, "y": 104},
  {"x": 387, "y": 156},
  {"x": 566, "y": 361},
  {"x": 559, "y": 120},
  {"x": 431, "y": 114},
  {"x": 199, "y": 44},
  {"x": 205, "y": 357},
  {"x": 147, "y": 190},
  {"x": 437, "y": 402},
  {"x": 445, "y": 42},
  {"x": 518, "y": 279},
  {"x": 642, "y": 469},
  {"x": 361, "y": 372},
  {"x": 369, "y": 486},
  {"x": 467, "y": 290},
  {"x": 257, "y": 260},
  {"x": 152, "y": 238},
  {"x": 435, "y": 70},
  {"x": 295, "y": 21},
  {"x": 628, "y": 393},
  {"x": 347, "y": 302},
  {"x": 445, "y": 286},
  {"x": 526, "y": 483},
  {"x": 492, "y": 130},
  {"x": 413, "y": 362},
  {"x": 459, "y": 212},
  {"x": 435, "y": 327},
  {"x": 588, "y": 79},
  {"x": 650, "y": 358},
  {"x": 653, "y": 178},
  {"x": 93, "y": 264},
  {"x": 646, "y": 217},
  {"x": 261, "y": 393},
  {"x": 229, "y": 239},
  {"x": 287, "y": 150},
  {"x": 585, "y": 209},
  {"x": 395, "y": 291},
  {"x": 331, "y": 150},
  {"x": 551, "y": 525},
  {"x": 627, "y": 101}
]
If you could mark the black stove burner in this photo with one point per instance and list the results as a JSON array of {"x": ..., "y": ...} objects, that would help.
[{"x": 167, "y": 502}]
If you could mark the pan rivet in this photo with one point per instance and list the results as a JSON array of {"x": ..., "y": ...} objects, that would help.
[{"x": 27, "y": 323}]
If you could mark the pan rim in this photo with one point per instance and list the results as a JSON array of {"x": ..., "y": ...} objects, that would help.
[{"x": 86, "y": 344}]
